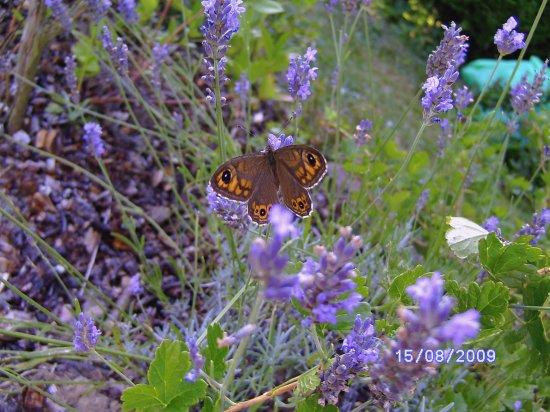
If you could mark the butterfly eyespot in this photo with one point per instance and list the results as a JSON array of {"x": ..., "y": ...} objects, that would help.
[
  {"x": 262, "y": 212},
  {"x": 311, "y": 159},
  {"x": 301, "y": 204},
  {"x": 226, "y": 176}
]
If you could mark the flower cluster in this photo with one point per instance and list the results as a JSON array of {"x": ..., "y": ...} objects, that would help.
[
  {"x": 92, "y": 137},
  {"x": 159, "y": 54},
  {"x": 299, "y": 74},
  {"x": 61, "y": 13},
  {"x": 361, "y": 135},
  {"x": 128, "y": 9},
  {"x": 118, "y": 52},
  {"x": 537, "y": 228},
  {"x": 266, "y": 263},
  {"x": 491, "y": 224},
  {"x": 242, "y": 87},
  {"x": 98, "y": 8},
  {"x": 85, "y": 334},
  {"x": 463, "y": 98},
  {"x": 70, "y": 77},
  {"x": 276, "y": 142},
  {"x": 524, "y": 95},
  {"x": 242, "y": 333},
  {"x": 222, "y": 21},
  {"x": 422, "y": 201},
  {"x": 196, "y": 359},
  {"x": 450, "y": 52},
  {"x": 327, "y": 285},
  {"x": 135, "y": 287},
  {"x": 507, "y": 39},
  {"x": 356, "y": 352},
  {"x": 234, "y": 214},
  {"x": 431, "y": 327},
  {"x": 438, "y": 95}
]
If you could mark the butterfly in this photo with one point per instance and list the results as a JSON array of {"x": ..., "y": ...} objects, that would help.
[{"x": 271, "y": 176}]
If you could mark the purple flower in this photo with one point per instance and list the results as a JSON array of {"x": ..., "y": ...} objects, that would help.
[
  {"x": 276, "y": 142},
  {"x": 266, "y": 263},
  {"x": 524, "y": 95},
  {"x": 444, "y": 137},
  {"x": 92, "y": 137},
  {"x": 118, "y": 53},
  {"x": 422, "y": 201},
  {"x": 357, "y": 351},
  {"x": 327, "y": 285},
  {"x": 70, "y": 77},
  {"x": 196, "y": 359},
  {"x": 222, "y": 21},
  {"x": 234, "y": 214},
  {"x": 437, "y": 97},
  {"x": 430, "y": 328},
  {"x": 361, "y": 134},
  {"x": 491, "y": 224},
  {"x": 507, "y": 39},
  {"x": 159, "y": 54},
  {"x": 537, "y": 228},
  {"x": 463, "y": 98},
  {"x": 98, "y": 8},
  {"x": 85, "y": 334},
  {"x": 128, "y": 9},
  {"x": 135, "y": 286},
  {"x": 450, "y": 52},
  {"x": 242, "y": 87},
  {"x": 331, "y": 5},
  {"x": 242, "y": 333},
  {"x": 517, "y": 406},
  {"x": 300, "y": 73},
  {"x": 61, "y": 13},
  {"x": 546, "y": 152}
]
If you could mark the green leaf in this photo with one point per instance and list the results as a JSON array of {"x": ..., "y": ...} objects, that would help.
[
  {"x": 166, "y": 384},
  {"x": 307, "y": 382},
  {"x": 266, "y": 6},
  {"x": 514, "y": 262},
  {"x": 311, "y": 404},
  {"x": 355, "y": 168},
  {"x": 419, "y": 163},
  {"x": 535, "y": 294},
  {"x": 490, "y": 300},
  {"x": 146, "y": 8},
  {"x": 140, "y": 397},
  {"x": 464, "y": 235},
  {"x": 214, "y": 356},
  {"x": 400, "y": 282}
]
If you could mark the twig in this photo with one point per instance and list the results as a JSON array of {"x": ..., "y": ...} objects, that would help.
[{"x": 262, "y": 398}]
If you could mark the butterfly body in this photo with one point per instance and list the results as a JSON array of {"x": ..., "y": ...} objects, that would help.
[{"x": 271, "y": 176}]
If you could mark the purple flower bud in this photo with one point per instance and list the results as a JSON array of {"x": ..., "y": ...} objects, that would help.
[
  {"x": 537, "y": 228},
  {"x": 85, "y": 334},
  {"x": 92, "y": 136},
  {"x": 524, "y": 95},
  {"x": 508, "y": 40},
  {"x": 196, "y": 359},
  {"x": 245, "y": 331},
  {"x": 70, "y": 77},
  {"x": 450, "y": 52},
  {"x": 438, "y": 94},
  {"x": 276, "y": 142},
  {"x": 491, "y": 224},
  {"x": 128, "y": 9}
]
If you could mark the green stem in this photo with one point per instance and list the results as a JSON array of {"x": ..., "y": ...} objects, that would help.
[
  {"x": 497, "y": 175},
  {"x": 241, "y": 348},
  {"x": 114, "y": 368}
]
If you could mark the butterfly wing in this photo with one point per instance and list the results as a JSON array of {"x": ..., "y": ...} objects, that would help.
[
  {"x": 238, "y": 178},
  {"x": 299, "y": 168},
  {"x": 263, "y": 197},
  {"x": 304, "y": 163}
]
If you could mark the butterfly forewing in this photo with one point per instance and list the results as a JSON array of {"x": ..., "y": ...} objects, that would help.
[
  {"x": 305, "y": 164},
  {"x": 238, "y": 178}
]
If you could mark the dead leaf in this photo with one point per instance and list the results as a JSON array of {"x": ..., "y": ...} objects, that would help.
[
  {"x": 91, "y": 239},
  {"x": 45, "y": 139}
]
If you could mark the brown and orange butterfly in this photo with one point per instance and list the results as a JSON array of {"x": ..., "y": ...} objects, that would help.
[{"x": 271, "y": 176}]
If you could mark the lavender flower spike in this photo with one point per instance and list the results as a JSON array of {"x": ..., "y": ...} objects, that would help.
[
  {"x": 98, "y": 8},
  {"x": 524, "y": 95},
  {"x": 537, "y": 228},
  {"x": 450, "y": 52},
  {"x": 327, "y": 286},
  {"x": 128, "y": 9},
  {"x": 92, "y": 136},
  {"x": 276, "y": 142},
  {"x": 70, "y": 76},
  {"x": 85, "y": 334},
  {"x": 266, "y": 263},
  {"x": 299, "y": 76},
  {"x": 438, "y": 95},
  {"x": 507, "y": 39},
  {"x": 61, "y": 13},
  {"x": 357, "y": 351},
  {"x": 362, "y": 135},
  {"x": 159, "y": 54},
  {"x": 234, "y": 214},
  {"x": 242, "y": 87},
  {"x": 196, "y": 359}
]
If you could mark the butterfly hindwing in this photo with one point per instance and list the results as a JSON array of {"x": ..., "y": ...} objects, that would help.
[
  {"x": 294, "y": 196},
  {"x": 238, "y": 178},
  {"x": 263, "y": 198}
]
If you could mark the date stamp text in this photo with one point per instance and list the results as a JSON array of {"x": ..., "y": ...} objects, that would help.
[{"x": 451, "y": 355}]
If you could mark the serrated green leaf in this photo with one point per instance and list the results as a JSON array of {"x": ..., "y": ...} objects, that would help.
[
  {"x": 191, "y": 394},
  {"x": 140, "y": 397},
  {"x": 307, "y": 382},
  {"x": 214, "y": 356},
  {"x": 398, "y": 285},
  {"x": 463, "y": 236},
  {"x": 168, "y": 369},
  {"x": 311, "y": 404}
]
